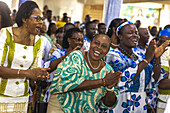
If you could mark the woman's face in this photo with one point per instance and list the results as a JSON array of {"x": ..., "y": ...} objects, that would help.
[
  {"x": 129, "y": 36},
  {"x": 34, "y": 22},
  {"x": 59, "y": 37},
  {"x": 99, "y": 47},
  {"x": 76, "y": 40}
]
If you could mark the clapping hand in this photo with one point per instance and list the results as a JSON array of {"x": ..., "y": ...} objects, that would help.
[
  {"x": 161, "y": 49},
  {"x": 39, "y": 73},
  {"x": 112, "y": 78}
]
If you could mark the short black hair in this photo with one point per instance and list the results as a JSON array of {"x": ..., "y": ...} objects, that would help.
[
  {"x": 88, "y": 24},
  {"x": 69, "y": 34},
  {"x": 59, "y": 30},
  {"x": 100, "y": 24},
  {"x": 49, "y": 11},
  {"x": 25, "y": 11},
  {"x": 114, "y": 23},
  {"x": 67, "y": 24}
]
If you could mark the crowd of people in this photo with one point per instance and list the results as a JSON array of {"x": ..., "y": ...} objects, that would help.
[{"x": 50, "y": 65}]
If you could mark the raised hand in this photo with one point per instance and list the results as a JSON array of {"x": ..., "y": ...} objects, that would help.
[
  {"x": 39, "y": 73},
  {"x": 112, "y": 78},
  {"x": 161, "y": 49},
  {"x": 150, "y": 52}
]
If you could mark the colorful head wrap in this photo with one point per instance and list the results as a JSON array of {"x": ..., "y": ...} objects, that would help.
[
  {"x": 165, "y": 32},
  {"x": 120, "y": 26}
]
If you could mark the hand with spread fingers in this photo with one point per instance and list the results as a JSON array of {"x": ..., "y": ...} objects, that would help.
[
  {"x": 150, "y": 51},
  {"x": 161, "y": 49},
  {"x": 39, "y": 73},
  {"x": 112, "y": 78}
]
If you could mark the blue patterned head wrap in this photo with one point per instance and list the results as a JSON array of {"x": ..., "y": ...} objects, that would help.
[
  {"x": 165, "y": 32},
  {"x": 120, "y": 26}
]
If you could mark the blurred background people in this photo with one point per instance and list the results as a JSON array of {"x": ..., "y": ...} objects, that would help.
[
  {"x": 102, "y": 28},
  {"x": 5, "y": 19}
]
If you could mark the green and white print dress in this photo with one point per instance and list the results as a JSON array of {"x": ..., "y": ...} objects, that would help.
[
  {"x": 71, "y": 72},
  {"x": 14, "y": 92}
]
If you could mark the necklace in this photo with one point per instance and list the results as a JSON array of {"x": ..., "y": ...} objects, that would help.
[
  {"x": 114, "y": 44},
  {"x": 91, "y": 64},
  {"x": 127, "y": 53}
]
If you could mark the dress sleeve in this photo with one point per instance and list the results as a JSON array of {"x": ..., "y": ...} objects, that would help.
[{"x": 68, "y": 74}]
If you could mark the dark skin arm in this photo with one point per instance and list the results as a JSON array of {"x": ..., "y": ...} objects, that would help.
[
  {"x": 152, "y": 51},
  {"x": 109, "y": 99},
  {"x": 148, "y": 56},
  {"x": 157, "y": 69},
  {"x": 54, "y": 63},
  {"x": 158, "y": 52},
  {"x": 111, "y": 79},
  {"x": 35, "y": 74},
  {"x": 164, "y": 84}
]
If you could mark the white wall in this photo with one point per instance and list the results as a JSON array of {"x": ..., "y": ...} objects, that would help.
[
  {"x": 165, "y": 16},
  {"x": 73, "y": 8},
  {"x": 40, "y": 3}
]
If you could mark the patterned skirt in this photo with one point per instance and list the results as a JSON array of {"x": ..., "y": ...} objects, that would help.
[{"x": 13, "y": 104}]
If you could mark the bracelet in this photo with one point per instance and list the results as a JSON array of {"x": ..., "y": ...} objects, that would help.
[
  {"x": 104, "y": 82},
  {"x": 110, "y": 89},
  {"x": 145, "y": 61},
  {"x": 18, "y": 72}
]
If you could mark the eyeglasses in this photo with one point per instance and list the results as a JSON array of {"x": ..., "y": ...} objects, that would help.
[
  {"x": 38, "y": 18},
  {"x": 78, "y": 39}
]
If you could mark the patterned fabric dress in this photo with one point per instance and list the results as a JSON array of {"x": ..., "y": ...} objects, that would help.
[
  {"x": 14, "y": 92},
  {"x": 153, "y": 95},
  {"x": 132, "y": 95},
  {"x": 71, "y": 72}
]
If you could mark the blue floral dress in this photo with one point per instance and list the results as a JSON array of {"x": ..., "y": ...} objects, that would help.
[{"x": 132, "y": 95}]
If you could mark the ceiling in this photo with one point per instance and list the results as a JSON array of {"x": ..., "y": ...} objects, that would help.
[{"x": 154, "y": 1}]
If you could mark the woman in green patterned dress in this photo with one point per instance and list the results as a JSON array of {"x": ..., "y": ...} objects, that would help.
[{"x": 83, "y": 82}]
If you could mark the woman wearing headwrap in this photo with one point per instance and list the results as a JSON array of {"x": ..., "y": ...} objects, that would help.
[{"x": 138, "y": 75}]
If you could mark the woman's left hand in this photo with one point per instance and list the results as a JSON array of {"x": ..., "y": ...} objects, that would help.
[
  {"x": 161, "y": 49},
  {"x": 117, "y": 75}
]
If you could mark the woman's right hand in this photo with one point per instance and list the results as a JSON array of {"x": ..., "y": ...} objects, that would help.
[
  {"x": 112, "y": 78},
  {"x": 38, "y": 73},
  {"x": 150, "y": 51}
]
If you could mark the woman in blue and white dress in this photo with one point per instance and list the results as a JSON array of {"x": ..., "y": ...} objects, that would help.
[{"x": 138, "y": 74}]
